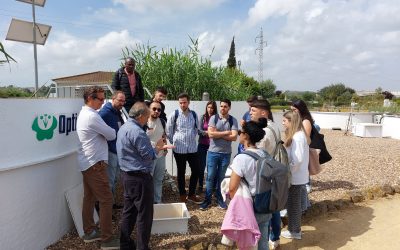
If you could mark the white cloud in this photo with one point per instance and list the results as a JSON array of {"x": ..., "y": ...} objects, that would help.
[
  {"x": 212, "y": 43},
  {"x": 264, "y": 9},
  {"x": 66, "y": 54},
  {"x": 322, "y": 42},
  {"x": 363, "y": 56},
  {"x": 167, "y": 6}
]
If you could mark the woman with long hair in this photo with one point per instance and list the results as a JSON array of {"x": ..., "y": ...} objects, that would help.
[
  {"x": 244, "y": 166},
  {"x": 300, "y": 107},
  {"x": 204, "y": 140},
  {"x": 296, "y": 143}
]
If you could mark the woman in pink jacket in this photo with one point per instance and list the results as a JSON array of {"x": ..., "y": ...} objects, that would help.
[{"x": 244, "y": 166}]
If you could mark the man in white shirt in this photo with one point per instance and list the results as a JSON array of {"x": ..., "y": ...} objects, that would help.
[
  {"x": 93, "y": 134},
  {"x": 262, "y": 109},
  {"x": 155, "y": 130}
]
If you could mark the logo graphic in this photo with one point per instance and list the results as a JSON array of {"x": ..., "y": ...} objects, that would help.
[{"x": 44, "y": 126}]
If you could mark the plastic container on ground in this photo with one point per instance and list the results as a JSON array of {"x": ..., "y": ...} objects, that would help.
[
  {"x": 170, "y": 218},
  {"x": 368, "y": 130}
]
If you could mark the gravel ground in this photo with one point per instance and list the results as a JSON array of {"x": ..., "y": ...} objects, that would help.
[{"x": 357, "y": 163}]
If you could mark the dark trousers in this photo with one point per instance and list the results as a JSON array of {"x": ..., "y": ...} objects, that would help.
[
  {"x": 294, "y": 208},
  {"x": 202, "y": 154},
  {"x": 138, "y": 209},
  {"x": 193, "y": 160}
]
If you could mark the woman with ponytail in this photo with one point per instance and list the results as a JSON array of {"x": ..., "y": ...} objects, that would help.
[{"x": 244, "y": 167}]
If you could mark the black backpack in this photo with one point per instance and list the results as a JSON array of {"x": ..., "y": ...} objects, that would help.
[
  {"x": 177, "y": 114},
  {"x": 272, "y": 184},
  {"x": 230, "y": 120}
]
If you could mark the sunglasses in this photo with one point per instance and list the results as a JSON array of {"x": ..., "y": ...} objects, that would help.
[
  {"x": 100, "y": 99},
  {"x": 241, "y": 132},
  {"x": 156, "y": 109}
]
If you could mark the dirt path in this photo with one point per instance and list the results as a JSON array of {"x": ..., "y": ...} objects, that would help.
[{"x": 373, "y": 225}]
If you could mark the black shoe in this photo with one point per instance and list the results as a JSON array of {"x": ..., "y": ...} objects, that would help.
[
  {"x": 117, "y": 206},
  {"x": 97, "y": 207}
]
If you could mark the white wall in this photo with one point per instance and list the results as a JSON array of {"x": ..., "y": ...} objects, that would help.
[
  {"x": 329, "y": 120},
  {"x": 34, "y": 174},
  {"x": 34, "y": 211},
  {"x": 391, "y": 125},
  {"x": 20, "y": 145}
]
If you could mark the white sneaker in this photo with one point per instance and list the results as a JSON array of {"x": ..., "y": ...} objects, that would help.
[
  {"x": 288, "y": 235},
  {"x": 274, "y": 244},
  {"x": 308, "y": 188}
]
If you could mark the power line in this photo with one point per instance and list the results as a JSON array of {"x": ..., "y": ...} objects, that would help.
[{"x": 260, "y": 50}]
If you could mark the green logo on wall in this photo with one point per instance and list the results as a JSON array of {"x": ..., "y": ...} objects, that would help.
[{"x": 44, "y": 126}]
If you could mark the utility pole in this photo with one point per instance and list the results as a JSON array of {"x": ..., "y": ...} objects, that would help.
[{"x": 261, "y": 44}]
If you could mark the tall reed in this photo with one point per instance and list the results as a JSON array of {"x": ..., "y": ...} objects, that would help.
[{"x": 187, "y": 71}]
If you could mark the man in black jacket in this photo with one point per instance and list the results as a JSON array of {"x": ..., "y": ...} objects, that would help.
[{"x": 128, "y": 80}]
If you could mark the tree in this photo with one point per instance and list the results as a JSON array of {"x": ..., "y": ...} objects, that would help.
[
  {"x": 308, "y": 96},
  {"x": 267, "y": 88},
  {"x": 232, "y": 58},
  {"x": 337, "y": 94}
]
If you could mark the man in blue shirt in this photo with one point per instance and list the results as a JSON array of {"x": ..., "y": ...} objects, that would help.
[
  {"x": 111, "y": 114},
  {"x": 135, "y": 157}
]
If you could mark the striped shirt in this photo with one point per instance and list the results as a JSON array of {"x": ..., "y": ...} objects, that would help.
[{"x": 182, "y": 132}]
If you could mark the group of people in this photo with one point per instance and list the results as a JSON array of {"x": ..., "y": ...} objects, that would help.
[
  {"x": 260, "y": 135},
  {"x": 135, "y": 150}
]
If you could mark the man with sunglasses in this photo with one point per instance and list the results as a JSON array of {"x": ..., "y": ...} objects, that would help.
[
  {"x": 160, "y": 94},
  {"x": 111, "y": 114},
  {"x": 128, "y": 80},
  {"x": 155, "y": 130},
  {"x": 93, "y": 134}
]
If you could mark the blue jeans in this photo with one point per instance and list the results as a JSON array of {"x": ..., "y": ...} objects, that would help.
[
  {"x": 158, "y": 177},
  {"x": 202, "y": 152},
  {"x": 112, "y": 171},
  {"x": 263, "y": 223},
  {"x": 274, "y": 226},
  {"x": 217, "y": 163}
]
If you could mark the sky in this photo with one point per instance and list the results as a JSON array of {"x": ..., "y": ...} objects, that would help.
[{"x": 308, "y": 44}]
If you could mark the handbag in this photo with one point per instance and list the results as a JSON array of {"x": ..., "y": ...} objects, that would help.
[
  {"x": 317, "y": 141},
  {"x": 313, "y": 164}
]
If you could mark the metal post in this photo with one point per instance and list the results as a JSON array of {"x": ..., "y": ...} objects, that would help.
[
  {"x": 205, "y": 97},
  {"x": 34, "y": 48}
]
